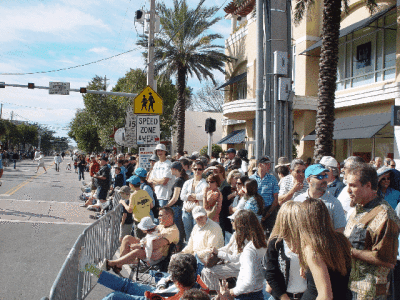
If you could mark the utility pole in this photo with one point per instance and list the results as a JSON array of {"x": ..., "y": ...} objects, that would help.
[
  {"x": 150, "y": 56},
  {"x": 12, "y": 115},
  {"x": 105, "y": 82},
  {"x": 259, "y": 83},
  {"x": 1, "y": 111}
]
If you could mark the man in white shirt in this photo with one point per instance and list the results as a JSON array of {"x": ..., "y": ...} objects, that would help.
[
  {"x": 161, "y": 176},
  {"x": 294, "y": 184},
  {"x": 316, "y": 176},
  {"x": 206, "y": 235},
  {"x": 344, "y": 196}
]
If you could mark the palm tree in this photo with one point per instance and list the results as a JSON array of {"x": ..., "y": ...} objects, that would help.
[
  {"x": 328, "y": 69},
  {"x": 183, "y": 48}
]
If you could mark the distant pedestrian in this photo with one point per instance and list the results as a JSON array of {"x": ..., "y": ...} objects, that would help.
[
  {"x": 15, "y": 157},
  {"x": 40, "y": 160},
  {"x": 63, "y": 155},
  {"x": 81, "y": 167},
  {"x": 57, "y": 161}
]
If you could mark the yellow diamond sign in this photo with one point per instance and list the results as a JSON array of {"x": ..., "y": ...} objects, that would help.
[{"x": 148, "y": 102}]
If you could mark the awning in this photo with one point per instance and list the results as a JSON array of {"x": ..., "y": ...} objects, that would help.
[
  {"x": 354, "y": 27},
  {"x": 235, "y": 137},
  {"x": 357, "y": 127},
  {"x": 233, "y": 80}
]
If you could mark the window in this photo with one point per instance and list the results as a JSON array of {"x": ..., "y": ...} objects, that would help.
[
  {"x": 240, "y": 89},
  {"x": 368, "y": 55}
]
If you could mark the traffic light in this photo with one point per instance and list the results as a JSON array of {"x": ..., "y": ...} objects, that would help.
[
  {"x": 31, "y": 86},
  {"x": 210, "y": 125},
  {"x": 139, "y": 16},
  {"x": 82, "y": 90},
  {"x": 2, "y": 85}
]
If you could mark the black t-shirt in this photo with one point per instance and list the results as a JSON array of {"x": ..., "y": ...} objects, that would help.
[
  {"x": 129, "y": 218},
  {"x": 104, "y": 172},
  {"x": 178, "y": 184}
]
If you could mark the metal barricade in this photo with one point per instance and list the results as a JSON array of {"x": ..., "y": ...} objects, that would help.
[{"x": 98, "y": 241}]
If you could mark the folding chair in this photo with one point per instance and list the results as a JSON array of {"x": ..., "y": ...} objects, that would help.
[{"x": 160, "y": 265}]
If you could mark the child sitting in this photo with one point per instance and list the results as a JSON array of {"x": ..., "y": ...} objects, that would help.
[{"x": 152, "y": 233}]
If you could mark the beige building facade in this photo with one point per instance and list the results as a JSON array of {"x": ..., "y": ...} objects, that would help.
[{"x": 367, "y": 86}]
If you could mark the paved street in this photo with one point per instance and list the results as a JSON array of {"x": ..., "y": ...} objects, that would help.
[{"x": 40, "y": 219}]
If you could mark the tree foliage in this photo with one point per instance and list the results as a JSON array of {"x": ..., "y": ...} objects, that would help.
[
  {"x": 91, "y": 128},
  {"x": 214, "y": 148}
]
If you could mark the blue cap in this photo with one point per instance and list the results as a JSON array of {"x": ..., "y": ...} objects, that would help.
[
  {"x": 141, "y": 172},
  {"x": 314, "y": 170},
  {"x": 135, "y": 180}
]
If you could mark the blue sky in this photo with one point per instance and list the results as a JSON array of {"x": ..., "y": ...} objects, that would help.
[{"x": 47, "y": 35}]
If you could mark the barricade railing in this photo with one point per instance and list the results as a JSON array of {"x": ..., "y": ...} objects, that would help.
[{"x": 98, "y": 241}]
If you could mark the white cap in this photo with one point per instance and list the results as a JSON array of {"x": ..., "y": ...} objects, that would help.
[
  {"x": 329, "y": 161},
  {"x": 233, "y": 216},
  {"x": 146, "y": 224},
  {"x": 198, "y": 211},
  {"x": 160, "y": 147}
]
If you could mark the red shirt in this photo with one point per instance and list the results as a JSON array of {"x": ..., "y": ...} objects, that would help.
[{"x": 94, "y": 168}]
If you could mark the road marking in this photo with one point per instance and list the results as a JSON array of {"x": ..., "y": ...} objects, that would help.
[
  {"x": 22, "y": 184},
  {"x": 44, "y": 222}
]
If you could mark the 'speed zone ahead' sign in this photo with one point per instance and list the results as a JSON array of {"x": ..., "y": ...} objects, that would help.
[{"x": 148, "y": 130}]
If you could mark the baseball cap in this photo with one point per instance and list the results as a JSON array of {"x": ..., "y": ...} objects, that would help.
[
  {"x": 328, "y": 161},
  {"x": 231, "y": 150},
  {"x": 176, "y": 165},
  {"x": 198, "y": 211},
  {"x": 153, "y": 158},
  {"x": 146, "y": 224},
  {"x": 132, "y": 158},
  {"x": 104, "y": 158},
  {"x": 125, "y": 189},
  {"x": 135, "y": 180},
  {"x": 314, "y": 170},
  {"x": 141, "y": 172},
  {"x": 383, "y": 170},
  {"x": 264, "y": 160}
]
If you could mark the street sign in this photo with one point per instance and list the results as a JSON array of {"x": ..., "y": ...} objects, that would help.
[
  {"x": 148, "y": 130},
  {"x": 148, "y": 102},
  {"x": 144, "y": 155},
  {"x": 130, "y": 128},
  {"x": 2, "y": 85},
  {"x": 59, "y": 88}
]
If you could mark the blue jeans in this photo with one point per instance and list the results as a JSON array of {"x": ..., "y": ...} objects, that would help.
[
  {"x": 162, "y": 203},
  {"x": 81, "y": 173},
  {"x": 251, "y": 296},
  {"x": 178, "y": 222},
  {"x": 188, "y": 223},
  {"x": 124, "y": 289},
  {"x": 15, "y": 163}
]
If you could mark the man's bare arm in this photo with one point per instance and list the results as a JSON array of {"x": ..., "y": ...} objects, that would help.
[{"x": 369, "y": 257}]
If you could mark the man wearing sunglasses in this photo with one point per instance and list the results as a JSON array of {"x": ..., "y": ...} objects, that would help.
[{"x": 316, "y": 176}]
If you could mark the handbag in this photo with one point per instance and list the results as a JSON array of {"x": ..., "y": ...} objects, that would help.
[{"x": 210, "y": 260}]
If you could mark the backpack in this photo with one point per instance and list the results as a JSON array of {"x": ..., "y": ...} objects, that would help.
[{"x": 156, "y": 206}]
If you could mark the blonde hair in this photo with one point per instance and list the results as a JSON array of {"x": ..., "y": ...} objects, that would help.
[
  {"x": 317, "y": 231},
  {"x": 285, "y": 224},
  {"x": 252, "y": 165},
  {"x": 232, "y": 174}
]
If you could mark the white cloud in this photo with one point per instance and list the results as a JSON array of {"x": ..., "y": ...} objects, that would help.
[
  {"x": 98, "y": 50},
  {"x": 18, "y": 23}
]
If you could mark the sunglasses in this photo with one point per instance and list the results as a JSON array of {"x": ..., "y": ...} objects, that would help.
[
  {"x": 386, "y": 178},
  {"x": 320, "y": 177},
  {"x": 239, "y": 183},
  {"x": 298, "y": 171},
  {"x": 210, "y": 181},
  {"x": 392, "y": 165},
  {"x": 196, "y": 169}
]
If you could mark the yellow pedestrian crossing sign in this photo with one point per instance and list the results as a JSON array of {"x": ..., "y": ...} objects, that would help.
[{"x": 148, "y": 102}]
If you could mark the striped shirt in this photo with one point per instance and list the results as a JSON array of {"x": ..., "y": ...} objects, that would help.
[{"x": 267, "y": 187}]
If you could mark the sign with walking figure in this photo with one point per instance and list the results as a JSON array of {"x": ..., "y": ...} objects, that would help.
[{"x": 148, "y": 102}]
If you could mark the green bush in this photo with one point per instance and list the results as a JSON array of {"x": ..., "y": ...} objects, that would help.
[{"x": 214, "y": 148}]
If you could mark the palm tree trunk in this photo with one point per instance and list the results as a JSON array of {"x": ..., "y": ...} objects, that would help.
[
  {"x": 181, "y": 107},
  {"x": 327, "y": 79}
]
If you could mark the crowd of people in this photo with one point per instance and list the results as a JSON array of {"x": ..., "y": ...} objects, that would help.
[{"x": 308, "y": 231}]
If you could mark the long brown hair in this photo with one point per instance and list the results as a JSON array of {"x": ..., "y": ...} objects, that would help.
[
  {"x": 252, "y": 191},
  {"x": 285, "y": 224},
  {"x": 317, "y": 231},
  {"x": 248, "y": 227}
]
